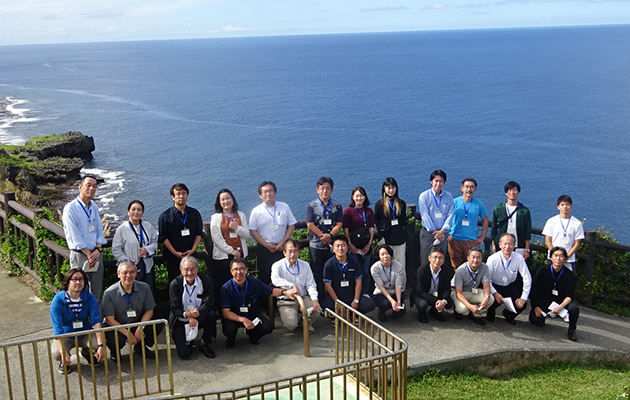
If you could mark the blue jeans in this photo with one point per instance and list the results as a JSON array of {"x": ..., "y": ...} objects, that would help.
[{"x": 366, "y": 281}]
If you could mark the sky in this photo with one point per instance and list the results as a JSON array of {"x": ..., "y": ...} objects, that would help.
[{"x": 68, "y": 21}]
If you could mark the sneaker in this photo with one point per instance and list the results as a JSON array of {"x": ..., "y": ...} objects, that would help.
[
  {"x": 85, "y": 353},
  {"x": 63, "y": 370},
  {"x": 479, "y": 321},
  {"x": 331, "y": 322},
  {"x": 113, "y": 357}
]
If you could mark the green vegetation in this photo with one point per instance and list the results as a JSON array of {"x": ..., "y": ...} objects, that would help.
[{"x": 550, "y": 381}]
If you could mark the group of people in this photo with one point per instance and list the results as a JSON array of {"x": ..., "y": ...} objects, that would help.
[{"x": 340, "y": 249}]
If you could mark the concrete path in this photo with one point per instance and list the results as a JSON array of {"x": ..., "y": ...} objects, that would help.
[{"x": 494, "y": 348}]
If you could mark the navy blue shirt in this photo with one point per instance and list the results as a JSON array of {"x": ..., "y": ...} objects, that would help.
[
  {"x": 335, "y": 273},
  {"x": 170, "y": 226},
  {"x": 234, "y": 297}
]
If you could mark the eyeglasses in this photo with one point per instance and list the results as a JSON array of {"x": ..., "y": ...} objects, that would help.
[
  {"x": 76, "y": 280},
  {"x": 193, "y": 269},
  {"x": 239, "y": 269}
]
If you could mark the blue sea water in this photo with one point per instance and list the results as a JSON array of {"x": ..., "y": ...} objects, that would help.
[{"x": 547, "y": 107}]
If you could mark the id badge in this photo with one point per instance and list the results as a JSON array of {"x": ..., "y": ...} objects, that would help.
[
  {"x": 327, "y": 221},
  {"x": 475, "y": 290},
  {"x": 554, "y": 292},
  {"x": 274, "y": 227},
  {"x": 512, "y": 224},
  {"x": 345, "y": 283},
  {"x": 91, "y": 228},
  {"x": 564, "y": 240},
  {"x": 186, "y": 232},
  {"x": 131, "y": 314},
  {"x": 77, "y": 325},
  {"x": 233, "y": 234},
  {"x": 394, "y": 222},
  {"x": 434, "y": 294},
  {"x": 438, "y": 215},
  {"x": 465, "y": 222},
  {"x": 505, "y": 279},
  {"x": 189, "y": 307},
  {"x": 243, "y": 309}
]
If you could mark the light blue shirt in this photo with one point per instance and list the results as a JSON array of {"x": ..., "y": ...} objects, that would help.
[
  {"x": 430, "y": 204},
  {"x": 471, "y": 212},
  {"x": 77, "y": 220}
]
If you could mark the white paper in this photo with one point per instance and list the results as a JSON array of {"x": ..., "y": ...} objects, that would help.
[
  {"x": 191, "y": 333},
  {"x": 564, "y": 314},
  {"x": 509, "y": 304},
  {"x": 256, "y": 321},
  {"x": 87, "y": 268}
]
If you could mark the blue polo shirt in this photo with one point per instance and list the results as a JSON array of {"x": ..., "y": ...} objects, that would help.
[
  {"x": 335, "y": 272},
  {"x": 466, "y": 211},
  {"x": 234, "y": 297}
]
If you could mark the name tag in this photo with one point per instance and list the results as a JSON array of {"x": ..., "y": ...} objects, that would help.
[
  {"x": 512, "y": 224},
  {"x": 554, "y": 292},
  {"x": 243, "y": 309},
  {"x": 274, "y": 227},
  {"x": 345, "y": 283},
  {"x": 186, "y": 232},
  {"x": 434, "y": 294},
  {"x": 564, "y": 240},
  {"x": 189, "y": 307},
  {"x": 438, "y": 215},
  {"x": 465, "y": 222},
  {"x": 475, "y": 290},
  {"x": 394, "y": 222},
  {"x": 327, "y": 221},
  {"x": 131, "y": 314},
  {"x": 505, "y": 279},
  {"x": 233, "y": 234},
  {"x": 77, "y": 324},
  {"x": 91, "y": 228}
]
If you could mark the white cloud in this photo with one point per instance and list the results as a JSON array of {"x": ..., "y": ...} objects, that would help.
[
  {"x": 435, "y": 6},
  {"x": 232, "y": 28},
  {"x": 379, "y": 9}
]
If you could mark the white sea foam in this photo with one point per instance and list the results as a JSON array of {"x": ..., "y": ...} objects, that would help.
[
  {"x": 113, "y": 185},
  {"x": 10, "y": 115}
]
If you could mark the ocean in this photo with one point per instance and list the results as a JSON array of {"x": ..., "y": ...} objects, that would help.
[{"x": 547, "y": 107}]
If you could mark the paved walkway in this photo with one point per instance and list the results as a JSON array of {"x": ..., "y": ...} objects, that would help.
[{"x": 495, "y": 348}]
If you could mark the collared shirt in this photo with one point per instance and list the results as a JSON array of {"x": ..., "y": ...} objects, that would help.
[
  {"x": 116, "y": 302},
  {"x": 263, "y": 218},
  {"x": 504, "y": 272},
  {"x": 285, "y": 276},
  {"x": 435, "y": 281},
  {"x": 191, "y": 295},
  {"x": 234, "y": 297},
  {"x": 335, "y": 273},
  {"x": 464, "y": 277},
  {"x": 77, "y": 220},
  {"x": 316, "y": 213},
  {"x": 466, "y": 211},
  {"x": 170, "y": 226},
  {"x": 430, "y": 204},
  {"x": 390, "y": 278}
]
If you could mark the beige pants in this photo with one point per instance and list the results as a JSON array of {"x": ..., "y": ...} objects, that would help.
[
  {"x": 472, "y": 298},
  {"x": 290, "y": 312},
  {"x": 69, "y": 345}
]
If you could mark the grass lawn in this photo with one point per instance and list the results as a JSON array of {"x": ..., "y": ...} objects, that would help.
[{"x": 549, "y": 381}]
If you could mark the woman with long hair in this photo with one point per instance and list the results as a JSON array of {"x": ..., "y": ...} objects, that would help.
[
  {"x": 358, "y": 226},
  {"x": 390, "y": 213}
]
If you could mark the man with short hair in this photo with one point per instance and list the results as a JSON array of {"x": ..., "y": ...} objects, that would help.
[
  {"x": 513, "y": 217},
  {"x": 84, "y": 234},
  {"x": 324, "y": 219},
  {"x": 564, "y": 230},
  {"x": 510, "y": 278},
  {"x": 126, "y": 302},
  {"x": 466, "y": 213},
  {"x": 192, "y": 308},
  {"x": 342, "y": 279},
  {"x": 239, "y": 304},
  {"x": 472, "y": 288},
  {"x": 180, "y": 229},
  {"x": 293, "y": 273},
  {"x": 553, "y": 291},
  {"x": 270, "y": 224},
  {"x": 435, "y": 206},
  {"x": 433, "y": 287}
]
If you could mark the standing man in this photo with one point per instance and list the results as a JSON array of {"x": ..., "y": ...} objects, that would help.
[
  {"x": 84, "y": 234},
  {"x": 342, "y": 279},
  {"x": 293, "y": 273},
  {"x": 324, "y": 219},
  {"x": 466, "y": 213},
  {"x": 564, "y": 230},
  {"x": 433, "y": 287},
  {"x": 510, "y": 277},
  {"x": 180, "y": 230},
  {"x": 192, "y": 308},
  {"x": 271, "y": 224},
  {"x": 435, "y": 206},
  {"x": 553, "y": 291},
  {"x": 513, "y": 217},
  {"x": 239, "y": 304},
  {"x": 126, "y": 302},
  {"x": 472, "y": 288}
]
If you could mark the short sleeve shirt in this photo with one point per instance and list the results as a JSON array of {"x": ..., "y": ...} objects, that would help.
[
  {"x": 116, "y": 302},
  {"x": 465, "y": 216},
  {"x": 336, "y": 273},
  {"x": 468, "y": 280},
  {"x": 263, "y": 219},
  {"x": 324, "y": 217},
  {"x": 234, "y": 296},
  {"x": 564, "y": 232}
]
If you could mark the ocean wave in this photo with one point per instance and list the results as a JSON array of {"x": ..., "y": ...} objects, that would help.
[
  {"x": 11, "y": 114},
  {"x": 113, "y": 185}
]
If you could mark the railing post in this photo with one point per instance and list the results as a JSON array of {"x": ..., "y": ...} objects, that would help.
[
  {"x": 589, "y": 237},
  {"x": 10, "y": 230}
]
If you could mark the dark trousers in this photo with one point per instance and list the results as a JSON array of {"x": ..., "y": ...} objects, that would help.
[
  {"x": 384, "y": 305},
  {"x": 146, "y": 277},
  {"x": 149, "y": 340},
  {"x": 230, "y": 328},
  {"x": 422, "y": 304},
  {"x": 366, "y": 304},
  {"x": 209, "y": 326},
  {"x": 220, "y": 274},
  {"x": 572, "y": 308},
  {"x": 513, "y": 291},
  {"x": 318, "y": 259},
  {"x": 172, "y": 265},
  {"x": 265, "y": 261}
]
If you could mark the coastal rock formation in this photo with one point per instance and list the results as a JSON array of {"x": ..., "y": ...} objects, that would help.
[{"x": 46, "y": 159}]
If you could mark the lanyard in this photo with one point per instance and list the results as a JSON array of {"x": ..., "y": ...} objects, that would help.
[
  {"x": 393, "y": 207},
  {"x": 75, "y": 310},
  {"x": 511, "y": 214},
  {"x": 435, "y": 199},
  {"x": 435, "y": 280},
  {"x": 553, "y": 276},
  {"x": 561, "y": 224},
  {"x": 389, "y": 278},
  {"x": 273, "y": 215},
  {"x": 297, "y": 264},
  {"x": 185, "y": 218},
  {"x": 326, "y": 209},
  {"x": 192, "y": 292},
  {"x": 474, "y": 279},
  {"x": 228, "y": 218},
  {"x": 129, "y": 299},
  {"x": 343, "y": 269},
  {"x": 139, "y": 237},
  {"x": 89, "y": 214},
  {"x": 361, "y": 215},
  {"x": 467, "y": 209},
  {"x": 236, "y": 287},
  {"x": 505, "y": 268}
]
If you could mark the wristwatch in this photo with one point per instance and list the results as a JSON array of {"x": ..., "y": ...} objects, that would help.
[{"x": 356, "y": 301}]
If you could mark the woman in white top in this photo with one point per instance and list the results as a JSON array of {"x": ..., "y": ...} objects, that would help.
[
  {"x": 390, "y": 280},
  {"x": 136, "y": 240},
  {"x": 229, "y": 232}
]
